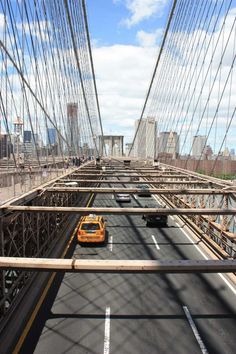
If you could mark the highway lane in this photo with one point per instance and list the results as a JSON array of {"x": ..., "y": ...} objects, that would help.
[{"x": 149, "y": 313}]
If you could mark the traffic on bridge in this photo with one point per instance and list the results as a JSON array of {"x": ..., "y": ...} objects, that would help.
[{"x": 117, "y": 200}]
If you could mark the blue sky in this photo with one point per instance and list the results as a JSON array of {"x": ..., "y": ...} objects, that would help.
[{"x": 107, "y": 21}]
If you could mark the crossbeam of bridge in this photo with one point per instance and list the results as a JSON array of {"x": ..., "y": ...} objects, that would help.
[
  {"x": 112, "y": 174},
  {"x": 136, "y": 191},
  {"x": 120, "y": 211},
  {"x": 114, "y": 266},
  {"x": 110, "y": 181}
]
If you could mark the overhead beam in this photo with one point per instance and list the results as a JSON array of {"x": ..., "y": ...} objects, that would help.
[
  {"x": 119, "y": 211},
  {"x": 135, "y": 191},
  {"x": 111, "y": 181},
  {"x": 117, "y": 266},
  {"x": 112, "y": 174},
  {"x": 130, "y": 171}
]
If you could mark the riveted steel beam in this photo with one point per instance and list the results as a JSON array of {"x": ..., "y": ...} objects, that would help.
[
  {"x": 135, "y": 190},
  {"x": 113, "y": 174},
  {"x": 111, "y": 181},
  {"x": 119, "y": 211},
  {"x": 118, "y": 266}
]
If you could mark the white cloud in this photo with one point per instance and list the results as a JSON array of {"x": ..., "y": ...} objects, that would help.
[
  {"x": 150, "y": 39},
  {"x": 123, "y": 74},
  {"x": 143, "y": 9},
  {"x": 195, "y": 93},
  {"x": 41, "y": 30}
]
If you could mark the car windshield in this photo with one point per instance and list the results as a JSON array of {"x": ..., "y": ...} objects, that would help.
[
  {"x": 122, "y": 195},
  {"x": 90, "y": 226},
  {"x": 143, "y": 186}
]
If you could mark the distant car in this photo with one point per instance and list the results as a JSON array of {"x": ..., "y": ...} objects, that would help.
[
  {"x": 155, "y": 219},
  {"x": 122, "y": 197},
  {"x": 91, "y": 229},
  {"x": 71, "y": 184},
  {"x": 134, "y": 178},
  {"x": 144, "y": 190}
]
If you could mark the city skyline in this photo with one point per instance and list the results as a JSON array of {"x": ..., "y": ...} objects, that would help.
[{"x": 135, "y": 35}]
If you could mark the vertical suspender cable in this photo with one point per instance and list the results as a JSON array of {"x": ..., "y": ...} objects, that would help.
[
  {"x": 154, "y": 73},
  {"x": 93, "y": 72},
  {"x": 79, "y": 69}
]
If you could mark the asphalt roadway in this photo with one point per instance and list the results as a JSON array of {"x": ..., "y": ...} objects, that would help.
[{"x": 137, "y": 313}]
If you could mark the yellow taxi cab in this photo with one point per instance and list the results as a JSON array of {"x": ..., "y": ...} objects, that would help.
[{"x": 91, "y": 229}]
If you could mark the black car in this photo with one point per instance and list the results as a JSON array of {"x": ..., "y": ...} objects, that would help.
[
  {"x": 152, "y": 219},
  {"x": 144, "y": 190}
]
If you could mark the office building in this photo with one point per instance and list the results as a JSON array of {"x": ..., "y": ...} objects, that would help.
[
  {"x": 72, "y": 128},
  {"x": 145, "y": 141},
  {"x": 51, "y": 136},
  {"x": 168, "y": 142},
  {"x": 6, "y": 147},
  {"x": 198, "y": 148},
  {"x": 27, "y": 136},
  {"x": 27, "y": 147}
]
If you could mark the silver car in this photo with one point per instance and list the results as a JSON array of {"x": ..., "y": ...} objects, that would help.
[{"x": 122, "y": 197}]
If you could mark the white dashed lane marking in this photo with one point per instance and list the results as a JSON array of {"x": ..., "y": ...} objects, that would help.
[
  {"x": 195, "y": 331},
  {"x": 107, "y": 331},
  {"x": 110, "y": 243},
  {"x": 155, "y": 241}
]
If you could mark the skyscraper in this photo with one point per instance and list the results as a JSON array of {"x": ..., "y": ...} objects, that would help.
[
  {"x": 145, "y": 142},
  {"x": 168, "y": 142},
  {"x": 199, "y": 143},
  {"x": 51, "y": 136},
  {"x": 27, "y": 146},
  {"x": 72, "y": 128},
  {"x": 27, "y": 136}
]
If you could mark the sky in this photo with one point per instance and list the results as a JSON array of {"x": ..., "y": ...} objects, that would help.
[{"x": 125, "y": 36}]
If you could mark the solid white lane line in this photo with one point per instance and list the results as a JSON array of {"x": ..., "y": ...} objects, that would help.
[
  {"x": 155, "y": 241},
  {"x": 110, "y": 243},
  {"x": 227, "y": 282},
  {"x": 195, "y": 331},
  {"x": 107, "y": 331},
  {"x": 197, "y": 247},
  {"x": 232, "y": 288}
]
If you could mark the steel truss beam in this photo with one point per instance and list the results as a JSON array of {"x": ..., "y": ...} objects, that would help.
[
  {"x": 120, "y": 211},
  {"x": 130, "y": 170},
  {"x": 111, "y": 181},
  {"x": 135, "y": 191},
  {"x": 114, "y": 266},
  {"x": 112, "y": 174}
]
